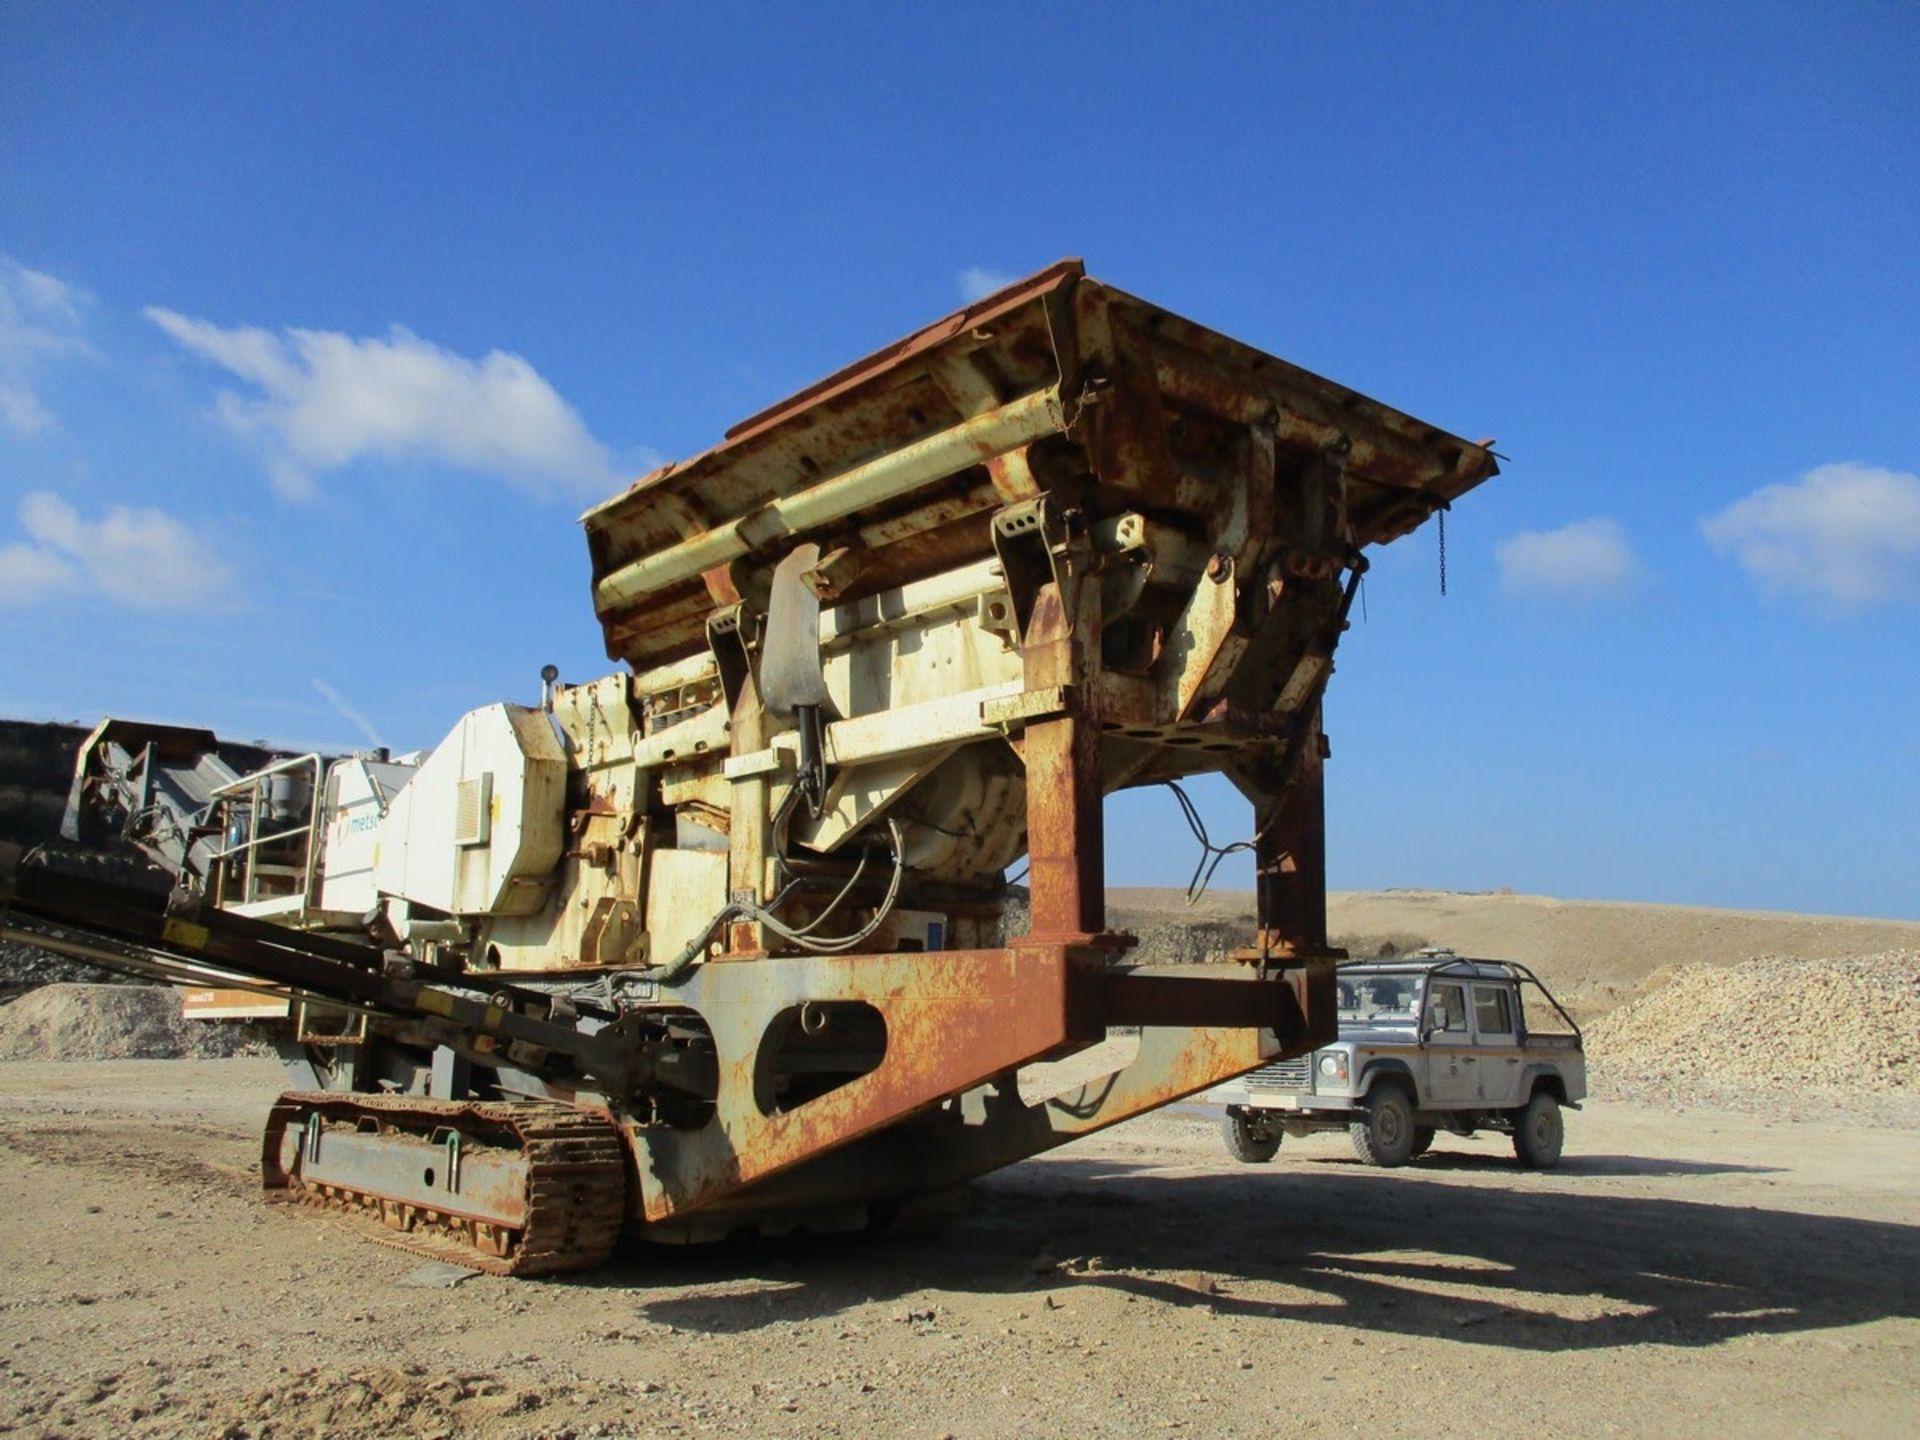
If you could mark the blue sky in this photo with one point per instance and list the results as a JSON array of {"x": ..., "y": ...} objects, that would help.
[{"x": 317, "y": 331}]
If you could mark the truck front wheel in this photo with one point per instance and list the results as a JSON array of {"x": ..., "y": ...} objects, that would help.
[
  {"x": 1538, "y": 1132},
  {"x": 1382, "y": 1133},
  {"x": 1248, "y": 1141}
]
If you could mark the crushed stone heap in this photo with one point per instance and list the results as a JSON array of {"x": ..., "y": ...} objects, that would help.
[
  {"x": 111, "y": 1022},
  {"x": 1771, "y": 1023}
]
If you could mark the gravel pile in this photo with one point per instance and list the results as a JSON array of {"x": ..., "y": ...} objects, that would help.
[
  {"x": 1187, "y": 938},
  {"x": 23, "y": 967},
  {"x": 111, "y": 1022},
  {"x": 1770, "y": 1030}
]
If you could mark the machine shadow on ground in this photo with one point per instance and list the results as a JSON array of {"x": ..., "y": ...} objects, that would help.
[
  {"x": 1624, "y": 1166},
  {"x": 1524, "y": 1269}
]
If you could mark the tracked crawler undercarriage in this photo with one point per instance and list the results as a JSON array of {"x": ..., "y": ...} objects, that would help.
[{"x": 720, "y": 939}]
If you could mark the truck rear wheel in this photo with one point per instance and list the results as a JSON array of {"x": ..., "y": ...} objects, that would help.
[
  {"x": 1383, "y": 1132},
  {"x": 1248, "y": 1142},
  {"x": 1422, "y": 1140},
  {"x": 1538, "y": 1132}
]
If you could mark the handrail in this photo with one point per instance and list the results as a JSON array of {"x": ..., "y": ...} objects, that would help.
[
  {"x": 313, "y": 758},
  {"x": 251, "y": 784}
]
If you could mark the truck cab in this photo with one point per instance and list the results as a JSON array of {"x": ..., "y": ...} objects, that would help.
[{"x": 1429, "y": 1043}]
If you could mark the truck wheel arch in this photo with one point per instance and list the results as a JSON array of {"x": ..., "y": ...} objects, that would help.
[
  {"x": 1547, "y": 1078},
  {"x": 1389, "y": 1072}
]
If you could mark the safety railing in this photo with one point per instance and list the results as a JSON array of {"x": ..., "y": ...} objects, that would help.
[{"x": 247, "y": 810}]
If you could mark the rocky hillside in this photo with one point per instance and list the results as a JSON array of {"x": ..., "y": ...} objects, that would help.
[{"x": 1594, "y": 953}]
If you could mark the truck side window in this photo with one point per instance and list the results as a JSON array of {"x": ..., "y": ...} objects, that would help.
[
  {"x": 1491, "y": 1011},
  {"x": 1447, "y": 1009}
]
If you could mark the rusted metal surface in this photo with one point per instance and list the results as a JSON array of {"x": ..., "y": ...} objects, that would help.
[
  {"x": 1195, "y": 1002},
  {"x": 1065, "y": 843},
  {"x": 508, "y": 1188},
  {"x": 952, "y": 1020},
  {"x": 1290, "y": 859},
  {"x": 979, "y": 314},
  {"x": 1128, "y": 374},
  {"x": 1202, "y": 645},
  {"x": 1177, "y": 520},
  {"x": 1066, "y": 849},
  {"x": 991, "y": 1125},
  {"x": 863, "y": 488},
  {"x": 1172, "y": 1063}
]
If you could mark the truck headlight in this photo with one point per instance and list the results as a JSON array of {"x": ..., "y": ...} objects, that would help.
[{"x": 1334, "y": 1066}]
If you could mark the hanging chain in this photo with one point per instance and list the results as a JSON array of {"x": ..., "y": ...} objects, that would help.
[{"x": 1442, "y": 513}]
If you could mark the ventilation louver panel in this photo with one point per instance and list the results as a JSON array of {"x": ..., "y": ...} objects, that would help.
[{"x": 472, "y": 813}]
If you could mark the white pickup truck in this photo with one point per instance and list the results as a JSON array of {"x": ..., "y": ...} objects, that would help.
[{"x": 1429, "y": 1043}]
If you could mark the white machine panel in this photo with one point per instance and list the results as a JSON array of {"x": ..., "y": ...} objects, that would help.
[
  {"x": 359, "y": 792},
  {"x": 480, "y": 828}
]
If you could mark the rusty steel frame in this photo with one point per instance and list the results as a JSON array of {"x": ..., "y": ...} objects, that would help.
[
  {"x": 958, "y": 1023},
  {"x": 1056, "y": 357}
]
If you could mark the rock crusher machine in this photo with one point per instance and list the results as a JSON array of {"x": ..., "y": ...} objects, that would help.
[{"x": 718, "y": 940}]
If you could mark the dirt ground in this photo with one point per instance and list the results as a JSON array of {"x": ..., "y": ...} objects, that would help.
[{"x": 1703, "y": 1272}]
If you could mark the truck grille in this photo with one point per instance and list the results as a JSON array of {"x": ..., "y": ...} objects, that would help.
[{"x": 1294, "y": 1074}]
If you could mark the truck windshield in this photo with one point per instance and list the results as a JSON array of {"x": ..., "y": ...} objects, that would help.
[{"x": 1380, "y": 999}]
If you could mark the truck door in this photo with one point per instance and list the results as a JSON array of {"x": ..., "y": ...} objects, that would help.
[
  {"x": 1453, "y": 1071},
  {"x": 1495, "y": 1032}
]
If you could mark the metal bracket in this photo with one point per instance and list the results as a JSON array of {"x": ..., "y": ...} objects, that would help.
[
  {"x": 732, "y": 647},
  {"x": 1028, "y": 705},
  {"x": 1038, "y": 542}
]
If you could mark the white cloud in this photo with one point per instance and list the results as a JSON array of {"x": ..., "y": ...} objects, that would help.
[
  {"x": 22, "y": 412},
  {"x": 1844, "y": 535},
  {"x": 321, "y": 400},
  {"x": 29, "y": 574},
  {"x": 144, "y": 558},
  {"x": 39, "y": 324},
  {"x": 1581, "y": 561},
  {"x": 976, "y": 281}
]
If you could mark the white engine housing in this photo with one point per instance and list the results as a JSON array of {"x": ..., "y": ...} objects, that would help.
[{"x": 480, "y": 828}]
